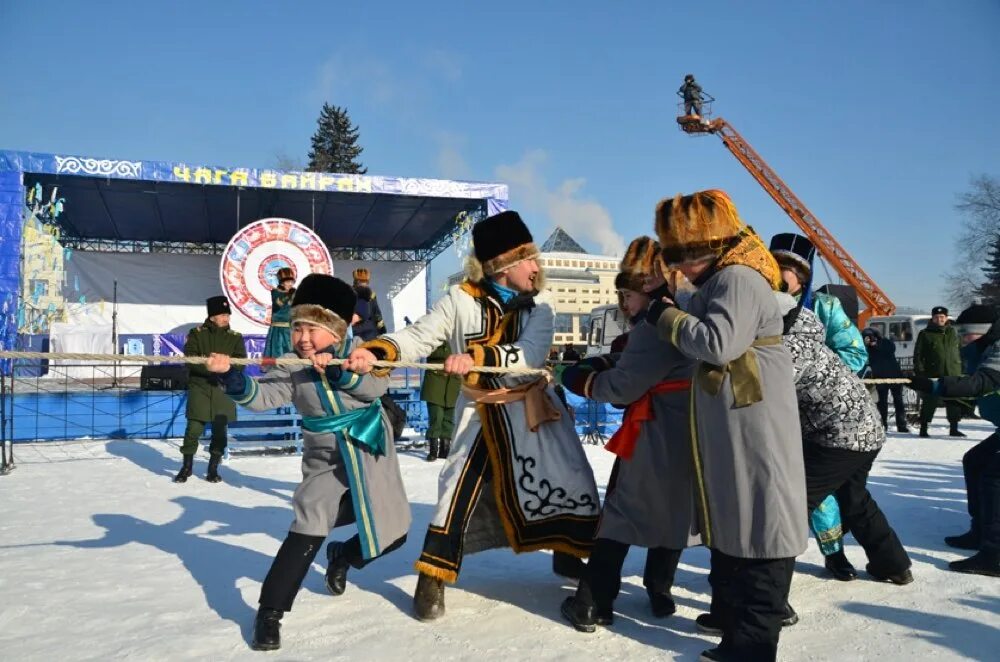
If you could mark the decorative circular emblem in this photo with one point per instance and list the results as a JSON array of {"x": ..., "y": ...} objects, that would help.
[{"x": 250, "y": 263}]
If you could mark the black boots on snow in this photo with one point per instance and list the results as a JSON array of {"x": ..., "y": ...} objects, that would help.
[
  {"x": 983, "y": 563},
  {"x": 433, "y": 448},
  {"x": 968, "y": 540},
  {"x": 212, "y": 475},
  {"x": 840, "y": 567},
  {"x": 186, "y": 468},
  {"x": 428, "y": 599},
  {"x": 336, "y": 569},
  {"x": 267, "y": 630}
]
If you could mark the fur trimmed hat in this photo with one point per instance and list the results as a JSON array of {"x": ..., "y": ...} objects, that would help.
[
  {"x": 362, "y": 275},
  {"x": 694, "y": 226},
  {"x": 285, "y": 273},
  {"x": 641, "y": 256},
  {"x": 795, "y": 249},
  {"x": 501, "y": 241},
  {"x": 218, "y": 306},
  {"x": 325, "y": 301},
  {"x": 977, "y": 318}
]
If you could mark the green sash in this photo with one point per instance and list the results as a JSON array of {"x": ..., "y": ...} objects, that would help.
[{"x": 364, "y": 426}]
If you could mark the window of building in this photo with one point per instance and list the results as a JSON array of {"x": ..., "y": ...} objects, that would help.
[{"x": 563, "y": 323}]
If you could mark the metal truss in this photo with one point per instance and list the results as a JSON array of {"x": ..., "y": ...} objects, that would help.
[{"x": 132, "y": 246}]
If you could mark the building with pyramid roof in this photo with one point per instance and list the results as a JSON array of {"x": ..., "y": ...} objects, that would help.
[{"x": 579, "y": 282}]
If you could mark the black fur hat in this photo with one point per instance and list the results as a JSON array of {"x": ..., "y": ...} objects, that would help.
[
  {"x": 794, "y": 247},
  {"x": 501, "y": 241},
  {"x": 977, "y": 318},
  {"x": 324, "y": 301},
  {"x": 218, "y": 306}
]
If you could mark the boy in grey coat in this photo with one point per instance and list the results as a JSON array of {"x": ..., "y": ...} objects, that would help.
[{"x": 349, "y": 468}]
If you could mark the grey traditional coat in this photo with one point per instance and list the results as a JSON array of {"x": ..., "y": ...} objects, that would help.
[
  {"x": 652, "y": 501},
  {"x": 750, "y": 476},
  {"x": 342, "y": 480},
  {"x": 835, "y": 409}
]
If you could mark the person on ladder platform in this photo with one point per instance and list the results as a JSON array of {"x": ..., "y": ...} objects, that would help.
[
  {"x": 207, "y": 401},
  {"x": 691, "y": 92}
]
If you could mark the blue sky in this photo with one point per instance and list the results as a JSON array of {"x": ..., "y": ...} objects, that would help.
[{"x": 877, "y": 114}]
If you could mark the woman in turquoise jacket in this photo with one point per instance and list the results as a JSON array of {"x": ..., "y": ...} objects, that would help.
[
  {"x": 795, "y": 255},
  {"x": 279, "y": 334}
]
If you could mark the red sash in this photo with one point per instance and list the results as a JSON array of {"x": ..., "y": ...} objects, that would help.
[{"x": 622, "y": 442}]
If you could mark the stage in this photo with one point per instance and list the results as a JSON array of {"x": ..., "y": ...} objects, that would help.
[{"x": 117, "y": 256}]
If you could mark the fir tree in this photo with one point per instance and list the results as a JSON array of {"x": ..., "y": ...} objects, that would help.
[
  {"x": 334, "y": 145},
  {"x": 989, "y": 291}
]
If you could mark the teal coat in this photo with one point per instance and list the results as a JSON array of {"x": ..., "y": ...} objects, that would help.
[
  {"x": 438, "y": 388},
  {"x": 841, "y": 335},
  {"x": 206, "y": 397},
  {"x": 936, "y": 353}
]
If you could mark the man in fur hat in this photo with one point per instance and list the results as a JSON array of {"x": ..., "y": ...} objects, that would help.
[
  {"x": 349, "y": 468},
  {"x": 936, "y": 354},
  {"x": 747, "y": 446},
  {"x": 517, "y": 475},
  {"x": 650, "y": 497},
  {"x": 207, "y": 403},
  {"x": 979, "y": 329}
]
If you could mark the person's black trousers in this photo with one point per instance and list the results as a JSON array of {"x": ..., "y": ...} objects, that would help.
[
  {"x": 604, "y": 571},
  {"x": 982, "y": 485},
  {"x": 845, "y": 474},
  {"x": 884, "y": 390},
  {"x": 749, "y": 598}
]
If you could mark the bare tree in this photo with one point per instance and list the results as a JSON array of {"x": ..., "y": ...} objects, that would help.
[{"x": 980, "y": 209}]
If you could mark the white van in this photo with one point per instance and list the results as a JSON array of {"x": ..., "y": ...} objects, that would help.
[
  {"x": 606, "y": 324},
  {"x": 902, "y": 330}
]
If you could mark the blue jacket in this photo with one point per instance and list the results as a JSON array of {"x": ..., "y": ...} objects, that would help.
[{"x": 841, "y": 334}]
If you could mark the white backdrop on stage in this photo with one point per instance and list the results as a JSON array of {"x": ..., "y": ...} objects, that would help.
[
  {"x": 83, "y": 339},
  {"x": 165, "y": 293}
]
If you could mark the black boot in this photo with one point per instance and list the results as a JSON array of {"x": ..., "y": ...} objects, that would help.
[
  {"x": 898, "y": 578},
  {"x": 212, "y": 475},
  {"x": 336, "y": 569},
  {"x": 708, "y": 624},
  {"x": 923, "y": 430},
  {"x": 840, "y": 567},
  {"x": 428, "y": 599},
  {"x": 968, "y": 540},
  {"x": 267, "y": 630},
  {"x": 955, "y": 432},
  {"x": 186, "y": 469},
  {"x": 661, "y": 603},
  {"x": 433, "y": 446},
  {"x": 903, "y": 428},
  {"x": 445, "y": 448},
  {"x": 567, "y": 565},
  {"x": 790, "y": 618},
  {"x": 983, "y": 563},
  {"x": 581, "y": 615}
]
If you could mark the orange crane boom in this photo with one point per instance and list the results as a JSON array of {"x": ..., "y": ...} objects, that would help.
[{"x": 875, "y": 300}]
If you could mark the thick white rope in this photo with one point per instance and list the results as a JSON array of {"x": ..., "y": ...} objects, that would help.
[{"x": 196, "y": 360}]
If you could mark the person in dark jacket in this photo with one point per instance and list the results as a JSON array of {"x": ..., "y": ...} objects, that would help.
[
  {"x": 371, "y": 325},
  {"x": 980, "y": 332},
  {"x": 691, "y": 92},
  {"x": 440, "y": 392},
  {"x": 570, "y": 355},
  {"x": 936, "y": 355},
  {"x": 884, "y": 365},
  {"x": 207, "y": 401}
]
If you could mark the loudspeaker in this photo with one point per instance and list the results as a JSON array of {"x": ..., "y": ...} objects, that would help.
[
  {"x": 163, "y": 378},
  {"x": 848, "y": 299}
]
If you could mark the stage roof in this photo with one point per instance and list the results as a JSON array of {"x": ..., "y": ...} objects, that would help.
[{"x": 116, "y": 201}]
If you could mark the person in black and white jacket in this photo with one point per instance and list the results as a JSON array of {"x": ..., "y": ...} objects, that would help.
[{"x": 842, "y": 435}]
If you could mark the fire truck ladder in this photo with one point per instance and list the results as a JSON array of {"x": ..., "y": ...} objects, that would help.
[{"x": 875, "y": 300}]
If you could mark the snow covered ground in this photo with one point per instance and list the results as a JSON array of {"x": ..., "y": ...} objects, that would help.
[{"x": 103, "y": 557}]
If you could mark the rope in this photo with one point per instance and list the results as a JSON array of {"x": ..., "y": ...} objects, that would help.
[{"x": 265, "y": 361}]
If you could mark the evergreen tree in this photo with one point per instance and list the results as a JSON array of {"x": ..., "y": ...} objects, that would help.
[
  {"x": 989, "y": 291},
  {"x": 334, "y": 145}
]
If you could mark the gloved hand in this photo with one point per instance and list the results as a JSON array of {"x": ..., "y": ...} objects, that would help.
[
  {"x": 924, "y": 385},
  {"x": 574, "y": 378},
  {"x": 657, "y": 308}
]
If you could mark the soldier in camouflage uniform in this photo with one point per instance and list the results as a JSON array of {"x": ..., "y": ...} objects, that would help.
[{"x": 207, "y": 401}]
